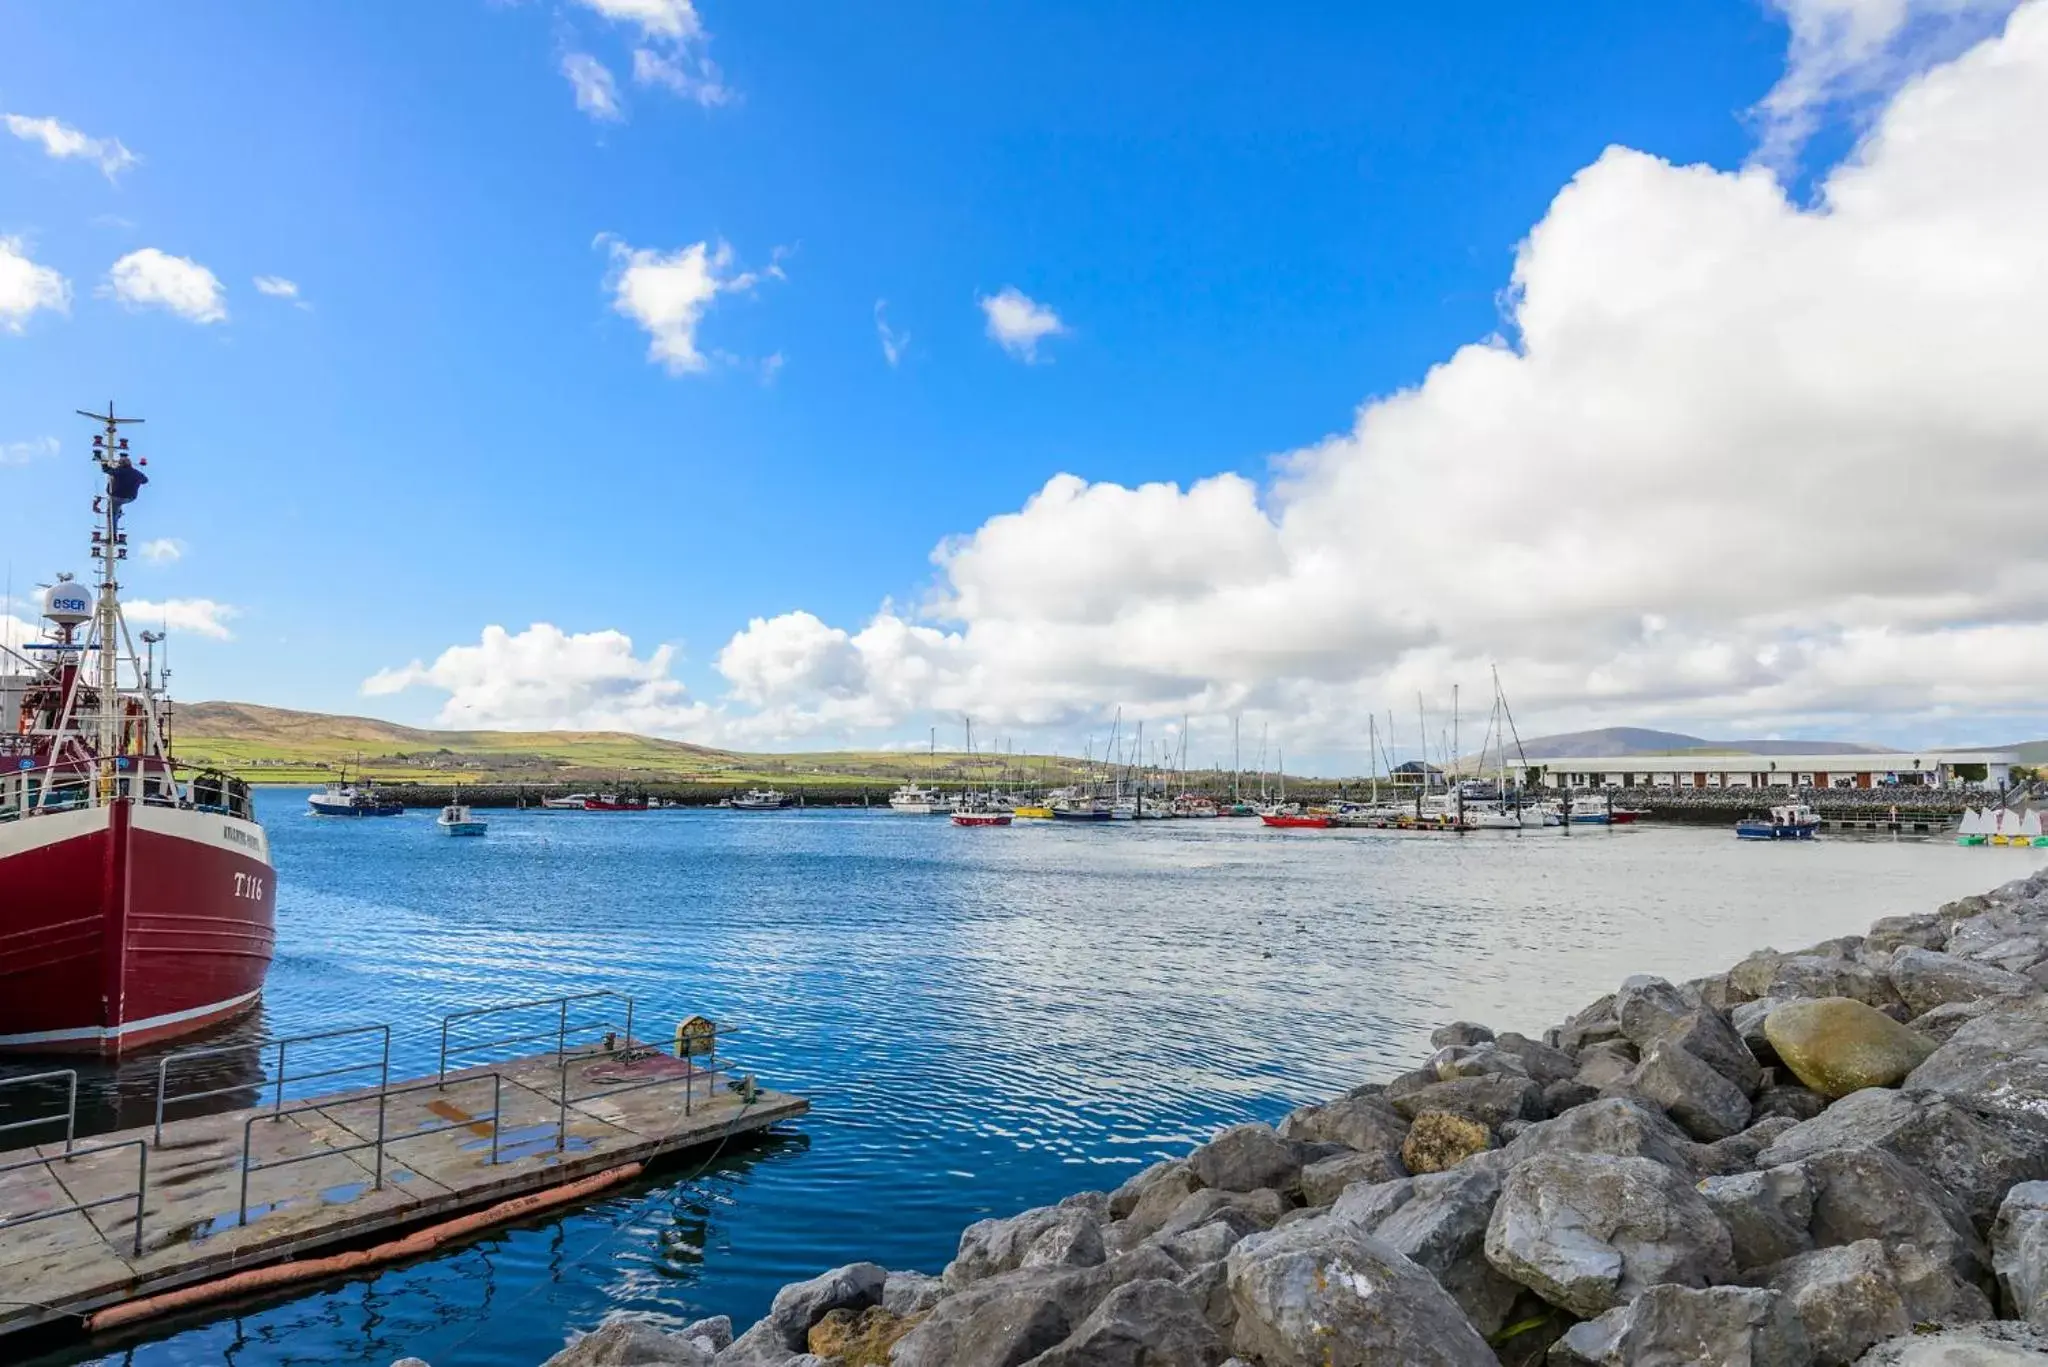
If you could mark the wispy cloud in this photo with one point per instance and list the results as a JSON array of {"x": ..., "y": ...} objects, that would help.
[
  {"x": 164, "y": 550},
  {"x": 200, "y": 616},
  {"x": 1019, "y": 323},
  {"x": 894, "y": 343},
  {"x": 277, "y": 287},
  {"x": 150, "y": 278},
  {"x": 22, "y": 452},
  {"x": 62, "y": 141},
  {"x": 670, "y": 54},
  {"x": 597, "y": 93}
]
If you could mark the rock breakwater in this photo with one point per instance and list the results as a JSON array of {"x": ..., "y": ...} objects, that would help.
[{"x": 1834, "y": 1154}]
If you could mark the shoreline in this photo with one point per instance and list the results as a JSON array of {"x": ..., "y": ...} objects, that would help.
[{"x": 1799, "y": 1160}]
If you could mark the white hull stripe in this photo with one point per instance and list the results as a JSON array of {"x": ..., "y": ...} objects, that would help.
[{"x": 100, "y": 1032}]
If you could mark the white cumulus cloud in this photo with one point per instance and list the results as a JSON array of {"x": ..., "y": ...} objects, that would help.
[
  {"x": 1738, "y": 460},
  {"x": 164, "y": 550},
  {"x": 543, "y": 678},
  {"x": 200, "y": 616},
  {"x": 150, "y": 278},
  {"x": 597, "y": 93},
  {"x": 1846, "y": 51},
  {"x": 22, "y": 452},
  {"x": 1019, "y": 323},
  {"x": 667, "y": 294},
  {"x": 61, "y": 141},
  {"x": 26, "y": 287}
]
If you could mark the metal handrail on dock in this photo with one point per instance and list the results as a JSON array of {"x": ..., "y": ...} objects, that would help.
[
  {"x": 70, "y": 1116},
  {"x": 165, "y": 1097},
  {"x": 381, "y": 1142},
  {"x": 80, "y": 1207},
  {"x": 560, "y": 1033}
]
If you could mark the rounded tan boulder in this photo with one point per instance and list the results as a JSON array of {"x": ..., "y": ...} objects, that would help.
[{"x": 1837, "y": 1045}]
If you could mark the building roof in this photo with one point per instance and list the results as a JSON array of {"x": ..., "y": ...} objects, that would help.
[{"x": 1885, "y": 763}]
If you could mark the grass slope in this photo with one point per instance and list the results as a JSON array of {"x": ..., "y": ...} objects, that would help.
[{"x": 277, "y": 745}]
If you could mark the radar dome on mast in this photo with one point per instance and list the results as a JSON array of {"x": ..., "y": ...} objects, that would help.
[{"x": 67, "y": 603}]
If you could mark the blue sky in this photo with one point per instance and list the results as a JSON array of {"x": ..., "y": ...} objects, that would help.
[{"x": 1246, "y": 224}]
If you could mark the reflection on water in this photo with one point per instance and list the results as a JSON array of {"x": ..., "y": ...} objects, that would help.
[{"x": 983, "y": 1019}]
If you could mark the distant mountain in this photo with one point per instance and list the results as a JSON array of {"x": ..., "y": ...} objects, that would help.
[{"x": 1636, "y": 740}]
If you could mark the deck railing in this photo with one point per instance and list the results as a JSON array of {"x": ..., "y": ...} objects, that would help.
[
  {"x": 281, "y": 1073},
  {"x": 80, "y": 1207},
  {"x": 69, "y": 1118}
]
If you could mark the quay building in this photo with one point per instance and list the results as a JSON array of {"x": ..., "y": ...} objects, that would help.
[{"x": 1925, "y": 769}]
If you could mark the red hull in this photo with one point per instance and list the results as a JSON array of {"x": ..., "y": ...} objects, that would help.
[
  {"x": 981, "y": 819},
  {"x": 1309, "y": 822},
  {"x": 127, "y": 925},
  {"x": 595, "y": 806}
]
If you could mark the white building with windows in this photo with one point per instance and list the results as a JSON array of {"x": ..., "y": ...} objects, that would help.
[{"x": 1927, "y": 768}]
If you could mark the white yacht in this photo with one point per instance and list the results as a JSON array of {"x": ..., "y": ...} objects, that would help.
[{"x": 911, "y": 800}]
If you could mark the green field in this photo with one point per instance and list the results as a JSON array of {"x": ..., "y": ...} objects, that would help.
[{"x": 274, "y": 745}]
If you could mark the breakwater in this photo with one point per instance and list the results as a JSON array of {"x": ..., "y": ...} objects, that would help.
[{"x": 1833, "y": 1154}]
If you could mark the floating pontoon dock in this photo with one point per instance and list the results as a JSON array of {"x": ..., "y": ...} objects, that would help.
[{"x": 88, "y": 1224}]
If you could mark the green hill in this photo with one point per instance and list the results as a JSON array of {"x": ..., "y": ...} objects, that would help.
[{"x": 277, "y": 745}]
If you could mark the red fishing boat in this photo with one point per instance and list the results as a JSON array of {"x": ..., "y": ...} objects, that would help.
[
  {"x": 984, "y": 818},
  {"x": 133, "y": 908},
  {"x": 1305, "y": 820}
]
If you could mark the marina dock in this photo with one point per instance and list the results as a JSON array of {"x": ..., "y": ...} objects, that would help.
[{"x": 89, "y": 1224}]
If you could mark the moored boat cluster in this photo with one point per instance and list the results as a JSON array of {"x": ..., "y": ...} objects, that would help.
[{"x": 1833, "y": 1155}]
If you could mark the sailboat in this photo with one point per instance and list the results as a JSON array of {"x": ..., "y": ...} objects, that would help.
[
  {"x": 1973, "y": 829},
  {"x": 2029, "y": 832}
]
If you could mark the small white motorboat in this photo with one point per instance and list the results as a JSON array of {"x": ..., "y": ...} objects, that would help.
[{"x": 457, "y": 819}]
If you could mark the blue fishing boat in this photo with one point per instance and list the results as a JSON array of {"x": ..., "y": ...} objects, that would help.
[{"x": 1793, "y": 821}]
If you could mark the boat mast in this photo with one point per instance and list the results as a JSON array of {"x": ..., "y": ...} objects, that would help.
[{"x": 109, "y": 551}]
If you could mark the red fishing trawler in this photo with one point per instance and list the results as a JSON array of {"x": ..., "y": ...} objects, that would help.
[{"x": 134, "y": 908}]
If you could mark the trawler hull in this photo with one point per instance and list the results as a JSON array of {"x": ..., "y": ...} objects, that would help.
[{"x": 125, "y": 925}]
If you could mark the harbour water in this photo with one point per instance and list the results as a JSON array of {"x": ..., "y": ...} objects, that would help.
[{"x": 983, "y": 1019}]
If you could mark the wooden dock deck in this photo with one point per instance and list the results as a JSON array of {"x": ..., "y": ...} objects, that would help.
[{"x": 236, "y": 1190}]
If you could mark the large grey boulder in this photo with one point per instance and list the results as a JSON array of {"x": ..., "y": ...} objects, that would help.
[
  {"x": 1596, "y": 1024},
  {"x": 1811, "y": 975},
  {"x": 1492, "y": 1100},
  {"x": 1867, "y": 1194},
  {"x": 1732, "y": 1325},
  {"x": 1323, "y": 1293},
  {"x": 1247, "y": 1158},
  {"x": 1588, "y": 1232},
  {"x": 1613, "y": 1125},
  {"x": 1539, "y": 1060},
  {"x": 1747, "y": 1020},
  {"x": 1365, "y": 1123},
  {"x": 1974, "y": 1155},
  {"x": 1168, "y": 1176},
  {"x": 800, "y": 1305},
  {"x": 1925, "y": 930},
  {"x": 2019, "y": 1253},
  {"x": 1652, "y": 1010},
  {"x": 1260, "y": 1209},
  {"x": 1853, "y": 1296},
  {"x": 1061, "y": 1234},
  {"x": 1001, "y": 1322},
  {"x": 1996, "y": 1343},
  {"x": 1997, "y": 1062},
  {"x": 1604, "y": 1065},
  {"x": 1148, "y": 1323},
  {"x": 1442, "y": 1228},
  {"x": 1324, "y": 1180},
  {"x": 1941, "y": 1024},
  {"x": 1368, "y": 1203},
  {"x": 1767, "y": 1213},
  {"x": 1459, "y": 1033},
  {"x": 1836, "y": 1045},
  {"x": 911, "y": 1293},
  {"x": 1706, "y": 1105},
  {"x": 1927, "y": 978},
  {"x": 631, "y": 1343},
  {"x": 1208, "y": 1243}
]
